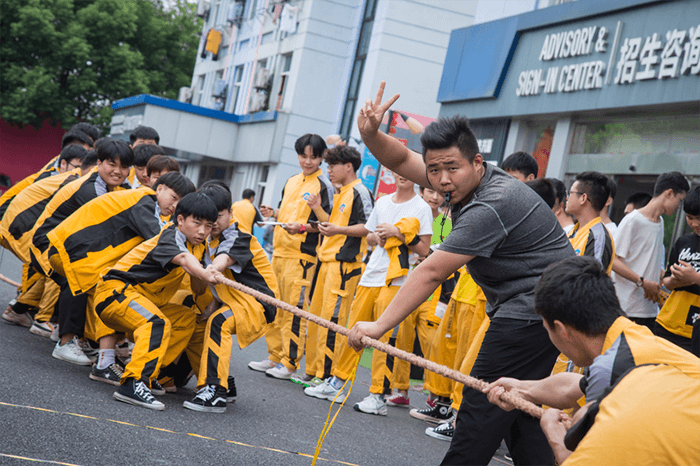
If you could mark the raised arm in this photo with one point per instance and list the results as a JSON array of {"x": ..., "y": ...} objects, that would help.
[{"x": 389, "y": 151}]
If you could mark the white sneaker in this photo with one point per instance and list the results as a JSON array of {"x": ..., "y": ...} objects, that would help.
[
  {"x": 325, "y": 391},
  {"x": 54, "y": 335},
  {"x": 71, "y": 352},
  {"x": 280, "y": 371},
  {"x": 43, "y": 329},
  {"x": 373, "y": 404},
  {"x": 261, "y": 366}
]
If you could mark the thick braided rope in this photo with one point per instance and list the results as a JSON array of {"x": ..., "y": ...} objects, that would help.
[{"x": 521, "y": 404}]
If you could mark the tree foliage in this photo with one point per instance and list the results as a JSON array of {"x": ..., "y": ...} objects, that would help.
[{"x": 68, "y": 60}]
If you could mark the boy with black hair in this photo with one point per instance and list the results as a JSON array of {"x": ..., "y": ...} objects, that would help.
[
  {"x": 604, "y": 213},
  {"x": 91, "y": 130},
  {"x": 506, "y": 235},
  {"x": 138, "y": 176},
  {"x": 589, "y": 237},
  {"x": 93, "y": 238},
  {"x": 76, "y": 137},
  {"x": 545, "y": 189},
  {"x": 143, "y": 135},
  {"x": 636, "y": 201},
  {"x": 133, "y": 296},
  {"x": 521, "y": 166},
  {"x": 245, "y": 212},
  {"x": 639, "y": 250},
  {"x": 340, "y": 259},
  {"x": 160, "y": 165},
  {"x": 240, "y": 258},
  {"x": 294, "y": 256},
  {"x": 583, "y": 318},
  {"x": 678, "y": 319},
  {"x": 559, "y": 209}
]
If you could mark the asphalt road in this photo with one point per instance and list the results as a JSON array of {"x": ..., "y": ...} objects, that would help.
[{"x": 52, "y": 413}]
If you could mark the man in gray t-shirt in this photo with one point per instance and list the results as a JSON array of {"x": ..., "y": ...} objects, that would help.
[{"x": 507, "y": 236}]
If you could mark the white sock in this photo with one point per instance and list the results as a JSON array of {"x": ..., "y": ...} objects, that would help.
[
  {"x": 105, "y": 359},
  {"x": 337, "y": 383}
]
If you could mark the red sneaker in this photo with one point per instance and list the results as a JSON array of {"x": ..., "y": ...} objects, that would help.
[{"x": 399, "y": 401}]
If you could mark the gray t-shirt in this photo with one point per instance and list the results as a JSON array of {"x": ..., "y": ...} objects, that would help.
[{"x": 514, "y": 236}]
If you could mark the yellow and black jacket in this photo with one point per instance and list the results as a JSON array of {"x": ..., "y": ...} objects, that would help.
[
  {"x": 50, "y": 169},
  {"x": 594, "y": 240},
  {"x": 399, "y": 252},
  {"x": 101, "y": 232},
  {"x": 293, "y": 208},
  {"x": 26, "y": 208},
  {"x": 351, "y": 206},
  {"x": 246, "y": 214},
  {"x": 253, "y": 269}
]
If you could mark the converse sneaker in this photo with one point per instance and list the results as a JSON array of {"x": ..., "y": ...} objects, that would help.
[
  {"x": 43, "y": 329},
  {"x": 111, "y": 374},
  {"x": 71, "y": 352},
  {"x": 54, "y": 334},
  {"x": 231, "y": 394},
  {"x": 302, "y": 379},
  {"x": 325, "y": 391},
  {"x": 11, "y": 317},
  {"x": 444, "y": 431},
  {"x": 441, "y": 412},
  {"x": 373, "y": 404},
  {"x": 157, "y": 388},
  {"x": 136, "y": 392},
  {"x": 399, "y": 401},
  {"x": 280, "y": 371},
  {"x": 261, "y": 366},
  {"x": 209, "y": 399}
]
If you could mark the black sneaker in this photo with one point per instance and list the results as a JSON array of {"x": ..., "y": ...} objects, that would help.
[
  {"x": 444, "y": 431},
  {"x": 137, "y": 393},
  {"x": 231, "y": 393},
  {"x": 209, "y": 399},
  {"x": 435, "y": 415},
  {"x": 156, "y": 388},
  {"x": 111, "y": 374}
]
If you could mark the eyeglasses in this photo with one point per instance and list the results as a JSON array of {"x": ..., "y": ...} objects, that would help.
[
  {"x": 569, "y": 193},
  {"x": 72, "y": 167}
]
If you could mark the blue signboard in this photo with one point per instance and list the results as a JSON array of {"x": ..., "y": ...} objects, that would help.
[{"x": 368, "y": 169}]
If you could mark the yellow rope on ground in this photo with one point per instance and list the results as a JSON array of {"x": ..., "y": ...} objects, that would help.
[
  {"x": 472, "y": 382},
  {"x": 327, "y": 426}
]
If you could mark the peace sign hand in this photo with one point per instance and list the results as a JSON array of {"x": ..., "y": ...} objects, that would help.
[{"x": 370, "y": 117}]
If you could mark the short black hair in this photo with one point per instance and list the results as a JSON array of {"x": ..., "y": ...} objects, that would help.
[
  {"x": 75, "y": 137},
  {"x": 116, "y": 149},
  {"x": 578, "y": 292},
  {"x": 72, "y": 152},
  {"x": 89, "y": 161},
  {"x": 248, "y": 193},
  {"x": 638, "y": 200},
  {"x": 91, "y": 130},
  {"x": 215, "y": 182},
  {"x": 450, "y": 132},
  {"x": 160, "y": 163},
  {"x": 671, "y": 180},
  {"x": 218, "y": 194},
  {"x": 545, "y": 189},
  {"x": 343, "y": 155},
  {"x": 595, "y": 185},
  {"x": 144, "y": 132},
  {"x": 177, "y": 182},
  {"x": 559, "y": 189},
  {"x": 612, "y": 187},
  {"x": 521, "y": 162},
  {"x": 197, "y": 205},
  {"x": 318, "y": 145},
  {"x": 101, "y": 141},
  {"x": 691, "y": 203},
  {"x": 144, "y": 152}
]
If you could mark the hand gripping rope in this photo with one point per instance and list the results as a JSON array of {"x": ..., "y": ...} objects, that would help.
[{"x": 472, "y": 382}]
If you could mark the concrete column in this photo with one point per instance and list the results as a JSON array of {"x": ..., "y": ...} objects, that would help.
[
  {"x": 517, "y": 135},
  {"x": 558, "y": 156}
]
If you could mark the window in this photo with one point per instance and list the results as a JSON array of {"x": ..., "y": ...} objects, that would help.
[
  {"x": 237, "y": 83},
  {"x": 217, "y": 91},
  {"x": 285, "y": 66},
  {"x": 214, "y": 17},
  {"x": 267, "y": 38},
  {"x": 262, "y": 184},
  {"x": 253, "y": 7},
  {"x": 199, "y": 90}
]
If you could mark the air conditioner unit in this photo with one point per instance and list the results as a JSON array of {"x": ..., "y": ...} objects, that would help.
[
  {"x": 235, "y": 12},
  {"x": 185, "y": 95},
  {"x": 219, "y": 88},
  {"x": 203, "y": 7},
  {"x": 262, "y": 75}
]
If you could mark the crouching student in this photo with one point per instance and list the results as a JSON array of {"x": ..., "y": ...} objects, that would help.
[
  {"x": 133, "y": 296},
  {"x": 239, "y": 256}
]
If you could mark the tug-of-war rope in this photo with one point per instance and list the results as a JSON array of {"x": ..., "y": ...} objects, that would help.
[{"x": 472, "y": 382}]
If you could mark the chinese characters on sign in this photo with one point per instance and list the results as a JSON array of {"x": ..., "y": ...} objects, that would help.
[{"x": 639, "y": 59}]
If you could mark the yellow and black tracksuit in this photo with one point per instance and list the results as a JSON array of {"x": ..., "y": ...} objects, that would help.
[
  {"x": 133, "y": 297},
  {"x": 50, "y": 169},
  {"x": 336, "y": 277},
  {"x": 294, "y": 264},
  {"x": 246, "y": 214},
  {"x": 239, "y": 313},
  {"x": 92, "y": 239}
]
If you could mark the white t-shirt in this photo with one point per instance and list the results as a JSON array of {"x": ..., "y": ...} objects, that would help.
[
  {"x": 611, "y": 227},
  {"x": 387, "y": 211},
  {"x": 640, "y": 243}
]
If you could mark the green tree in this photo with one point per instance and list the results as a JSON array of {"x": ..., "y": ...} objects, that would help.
[{"x": 68, "y": 60}]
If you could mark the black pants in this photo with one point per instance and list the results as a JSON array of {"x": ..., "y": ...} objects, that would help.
[
  {"x": 678, "y": 340},
  {"x": 71, "y": 309},
  {"x": 511, "y": 348}
]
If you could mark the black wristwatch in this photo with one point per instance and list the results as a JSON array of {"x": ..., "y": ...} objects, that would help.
[{"x": 640, "y": 282}]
